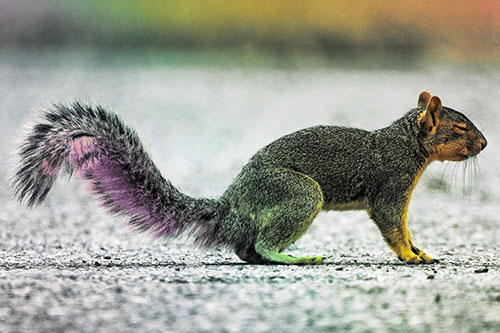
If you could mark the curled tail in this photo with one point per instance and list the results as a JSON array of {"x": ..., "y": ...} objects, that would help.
[{"x": 97, "y": 146}]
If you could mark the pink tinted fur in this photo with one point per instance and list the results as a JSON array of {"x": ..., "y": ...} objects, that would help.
[{"x": 114, "y": 183}]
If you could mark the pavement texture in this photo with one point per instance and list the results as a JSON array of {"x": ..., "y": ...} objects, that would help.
[{"x": 66, "y": 266}]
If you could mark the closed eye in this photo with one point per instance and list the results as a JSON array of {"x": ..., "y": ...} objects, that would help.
[{"x": 461, "y": 127}]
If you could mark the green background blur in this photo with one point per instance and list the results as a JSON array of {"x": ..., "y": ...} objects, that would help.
[{"x": 400, "y": 31}]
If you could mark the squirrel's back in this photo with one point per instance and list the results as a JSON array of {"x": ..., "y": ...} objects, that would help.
[{"x": 333, "y": 156}]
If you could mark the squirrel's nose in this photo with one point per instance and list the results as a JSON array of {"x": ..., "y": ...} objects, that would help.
[{"x": 483, "y": 143}]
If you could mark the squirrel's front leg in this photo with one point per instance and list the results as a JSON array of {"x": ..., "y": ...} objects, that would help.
[
  {"x": 403, "y": 246},
  {"x": 391, "y": 220}
]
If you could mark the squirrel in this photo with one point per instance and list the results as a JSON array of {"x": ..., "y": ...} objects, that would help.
[{"x": 276, "y": 195}]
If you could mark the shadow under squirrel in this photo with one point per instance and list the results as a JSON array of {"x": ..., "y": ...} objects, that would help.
[{"x": 276, "y": 195}]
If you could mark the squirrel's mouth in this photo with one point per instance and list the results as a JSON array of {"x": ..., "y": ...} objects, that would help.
[
  {"x": 470, "y": 153},
  {"x": 464, "y": 154},
  {"x": 460, "y": 157},
  {"x": 475, "y": 150}
]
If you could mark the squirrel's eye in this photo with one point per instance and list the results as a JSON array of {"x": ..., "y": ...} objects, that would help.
[{"x": 461, "y": 127}]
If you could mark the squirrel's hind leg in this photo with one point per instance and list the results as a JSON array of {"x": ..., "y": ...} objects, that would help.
[{"x": 288, "y": 220}]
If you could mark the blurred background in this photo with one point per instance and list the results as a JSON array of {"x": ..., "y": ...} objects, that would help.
[{"x": 386, "y": 31}]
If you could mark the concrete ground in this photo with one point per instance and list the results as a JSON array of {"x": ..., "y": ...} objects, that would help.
[{"x": 66, "y": 266}]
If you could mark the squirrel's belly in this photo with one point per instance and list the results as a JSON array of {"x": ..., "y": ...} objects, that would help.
[{"x": 353, "y": 205}]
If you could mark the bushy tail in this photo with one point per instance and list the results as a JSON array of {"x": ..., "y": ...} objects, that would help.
[{"x": 97, "y": 146}]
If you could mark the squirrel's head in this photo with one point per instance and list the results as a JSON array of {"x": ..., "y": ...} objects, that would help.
[{"x": 448, "y": 135}]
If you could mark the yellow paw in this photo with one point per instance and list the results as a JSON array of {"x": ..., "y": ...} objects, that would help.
[
  {"x": 426, "y": 259},
  {"x": 318, "y": 260},
  {"x": 422, "y": 258}
]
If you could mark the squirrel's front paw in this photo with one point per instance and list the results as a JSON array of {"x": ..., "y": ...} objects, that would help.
[
  {"x": 422, "y": 258},
  {"x": 426, "y": 259}
]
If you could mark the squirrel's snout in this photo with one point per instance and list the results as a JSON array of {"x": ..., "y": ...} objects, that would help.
[{"x": 483, "y": 143}]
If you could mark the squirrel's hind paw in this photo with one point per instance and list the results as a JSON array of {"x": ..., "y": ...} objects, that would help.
[{"x": 318, "y": 260}]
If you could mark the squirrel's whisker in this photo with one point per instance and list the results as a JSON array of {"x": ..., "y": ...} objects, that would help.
[{"x": 442, "y": 185}]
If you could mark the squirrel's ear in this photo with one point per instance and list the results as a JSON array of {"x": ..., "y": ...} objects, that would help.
[
  {"x": 423, "y": 99},
  {"x": 429, "y": 119}
]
